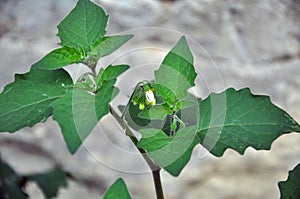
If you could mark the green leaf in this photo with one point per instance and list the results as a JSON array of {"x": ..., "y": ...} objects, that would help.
[
  {"x": 168, "y": 95},
  {"x": 176, "y": 73},
  {"x": 132, "y": 118},
  {"x": 117, "y": 190},
  {"x": 27, "y": 100},
  {"x": 10, "y": 183},
  {"x": 59, "y": 58},
  {"x": 109, "y": 44},
  {"x": 82, "y": 37},
  {"x": 153, "y": 139},
  {"x": 172, "y": 154},
  {"x": 50, "y": 182},
  {"x": 136, "y": 122},
  {"x": 291, "y": 187},
  {"x": 238, "y": 119},
  {"x": 83, "y": 26},
  {"x": 111, "y": 72},
  {"x": 185, "y": 104},
  {"x": 155, "y": 112},
  {"x": 79, "y": 111}
]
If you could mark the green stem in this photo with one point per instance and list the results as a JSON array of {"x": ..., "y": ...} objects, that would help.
[
  {"x": 93, "y": 69},
  {"x": 154, "y": 168},
  {"x": 172, "y": 129}
]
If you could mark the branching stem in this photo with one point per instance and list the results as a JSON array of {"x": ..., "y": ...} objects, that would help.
[{"x": 154, "y": 168}]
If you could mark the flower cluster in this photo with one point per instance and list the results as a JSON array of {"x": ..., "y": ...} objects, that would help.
[{"x": 144, "y": 94}]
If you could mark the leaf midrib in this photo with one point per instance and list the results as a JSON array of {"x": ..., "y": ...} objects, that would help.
[
  {"x": 239, "y": 125},
  {"x": 31, "y": 104}
]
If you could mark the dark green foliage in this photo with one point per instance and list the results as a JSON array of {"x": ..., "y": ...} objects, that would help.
[
  {"x": 28, "y": 99},
  {"x": 117, "y": 190},
  {"x": 290, "y": 189}
]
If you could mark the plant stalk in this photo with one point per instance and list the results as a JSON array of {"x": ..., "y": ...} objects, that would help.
[
  {"x": 172, "y": 131},
  {"x": 93, "y": 69},
  {"x": 154, "y": 168},
  {"x": 157, "y": 184}
]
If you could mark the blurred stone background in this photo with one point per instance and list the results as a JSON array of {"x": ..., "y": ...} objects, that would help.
[{"x": 237, "y": 44}]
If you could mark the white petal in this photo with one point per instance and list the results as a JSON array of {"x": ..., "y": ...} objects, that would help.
[{"x": 150, "y": 96}]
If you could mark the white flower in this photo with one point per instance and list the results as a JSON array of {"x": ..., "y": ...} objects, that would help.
[{"x": 150, "y": 97}]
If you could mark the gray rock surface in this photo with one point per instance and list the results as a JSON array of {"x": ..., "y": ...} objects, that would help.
[{"x": 237, "y": 44}]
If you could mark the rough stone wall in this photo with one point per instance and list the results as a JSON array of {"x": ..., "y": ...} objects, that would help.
[{"x": 237, "y": 44}]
